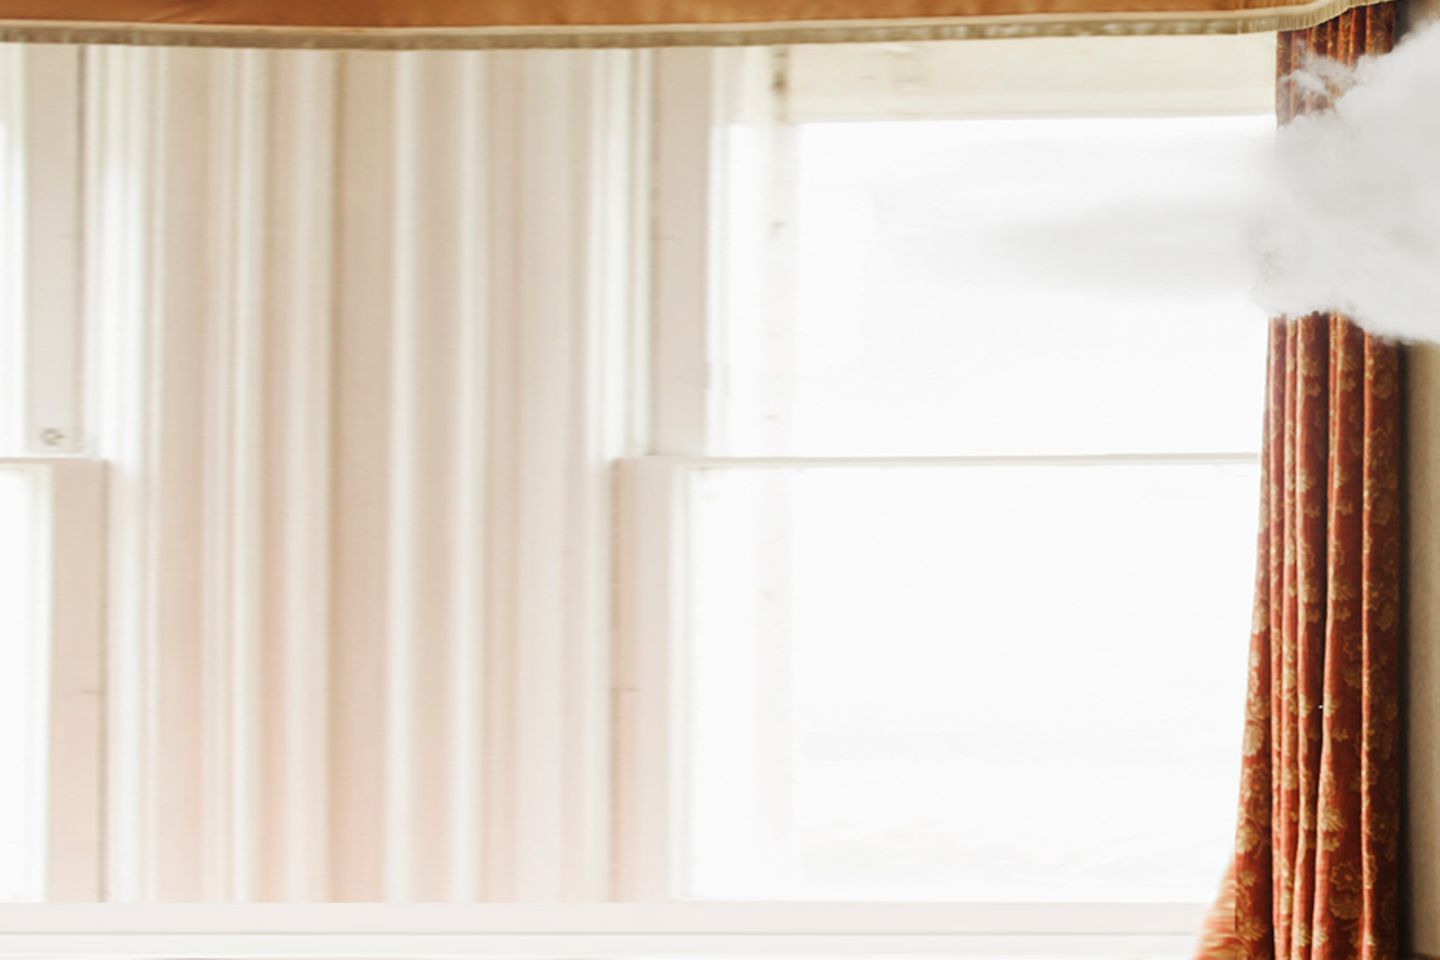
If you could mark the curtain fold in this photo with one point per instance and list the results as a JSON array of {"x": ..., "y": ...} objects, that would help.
[
  {"x": 441, "y": 24},
  {"x": 1316, "y": 872}
]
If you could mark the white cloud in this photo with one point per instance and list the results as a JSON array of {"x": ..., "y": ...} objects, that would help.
[
  {"x": 1350, "y": 217},
  {"x": 1337, "y": 211}
]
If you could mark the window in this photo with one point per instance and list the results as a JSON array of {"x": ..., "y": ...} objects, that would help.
[
  {"x": 549, "y": 490},
  {"x": 946, "y": 536},
  {"x": 22, "y": 659},
  {"x": 50, "y": 498}
]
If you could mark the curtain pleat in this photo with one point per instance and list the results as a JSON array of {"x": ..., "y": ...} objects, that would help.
[{"x": 1316, "y": 872}]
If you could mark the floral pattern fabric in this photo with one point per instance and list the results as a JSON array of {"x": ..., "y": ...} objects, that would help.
[{"x": 1316, "y": 872}]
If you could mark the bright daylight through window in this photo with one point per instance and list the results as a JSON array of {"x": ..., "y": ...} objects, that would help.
[
  {"x": 964, "y": 612},
  {"x": 746, "y": 483}
]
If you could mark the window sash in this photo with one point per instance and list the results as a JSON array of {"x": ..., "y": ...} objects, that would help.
[
  {"x": 702, "y": 96},
  {"x": 681, "y": 362},
  {"x": 652, "y": 529},
  {"x": 40, "y": 109},
  {"x": 699, "y": 93},
  {"x": 71, "y": 508}
]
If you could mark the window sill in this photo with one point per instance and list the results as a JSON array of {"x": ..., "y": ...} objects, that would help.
[{"x": 596, "y": 930}]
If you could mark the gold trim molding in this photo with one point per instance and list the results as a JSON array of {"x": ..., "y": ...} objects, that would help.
[{"x": 1256, "y": 20}]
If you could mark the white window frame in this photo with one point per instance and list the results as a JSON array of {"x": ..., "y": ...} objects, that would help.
[
  {"x": 41, "y": 106},
  {"x": 583, "y": 931},
  {"x": 664, "y": 426},
  {"x": 70, "y": 548},
  {"x": 697, "y": 95}
]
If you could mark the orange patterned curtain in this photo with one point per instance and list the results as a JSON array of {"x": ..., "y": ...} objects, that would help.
[{"x": 1316, "y": 871}]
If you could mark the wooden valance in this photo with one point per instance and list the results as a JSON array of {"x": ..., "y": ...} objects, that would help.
[{"x": 461, "y": 24}]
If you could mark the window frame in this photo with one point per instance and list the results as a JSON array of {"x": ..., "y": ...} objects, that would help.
[
  {"x": 596, "y": 930},
  {"x": 665, "y": 420},
  {"x": 70, "y": 534},
  {"x": 698, "y": 92},
  {"x": 41, "y": 105}
]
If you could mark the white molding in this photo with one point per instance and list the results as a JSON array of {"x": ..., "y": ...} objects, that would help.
[
  {"x": 232, "y": 945},
  {"x": 1216, "y": 459},
  {"x": 688, "y": 179},
  {"x": 633, "y": 181},
  {"x": 756, "y": 254},
  {"x": 49, "y": 142},
  {"x": 597, "y": 930},
  {"x": 650, "y": 536},
  {"x": 687, "y": 918},
  {"x": 683, "y": 918},
  {"x": 76, "y": 618},
  {"x": 1075, "y": 76}
]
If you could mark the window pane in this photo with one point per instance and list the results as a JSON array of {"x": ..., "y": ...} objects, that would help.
[
  {"x": 965, "y": 287},
  {"x": 983, "y": 684},
  {"x": 24, "y": 678}
]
